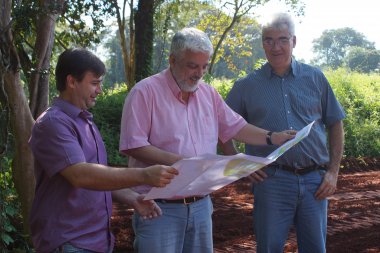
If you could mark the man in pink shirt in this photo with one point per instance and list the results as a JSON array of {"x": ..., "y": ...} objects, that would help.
[{"x": 173, "y": 115}]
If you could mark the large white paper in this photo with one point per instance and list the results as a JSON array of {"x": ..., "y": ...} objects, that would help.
[{"x": 202, "y": 175}]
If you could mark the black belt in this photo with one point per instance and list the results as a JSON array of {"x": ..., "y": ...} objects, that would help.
[
  {"x": 300, "y": 171},
  {"x": 184, "y": 201}
]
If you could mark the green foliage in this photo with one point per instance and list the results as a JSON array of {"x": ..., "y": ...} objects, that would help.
[
  {"x": 114, "y": 63},
  {"x": 82, "y": 22},
  {"x": 223, "y": 86},
  {"x": 11, "y": 239},
  {"x": 235, "y": 36},
  {"x": 359, "y": 95},
  {"x": 8, "y": 205},
  {"x": 107, "y": 116}
]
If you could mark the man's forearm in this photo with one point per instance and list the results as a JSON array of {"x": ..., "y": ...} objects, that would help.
[
  {"x": 125, "y": 196},
  {"x": 228, "y": 148},
  {"x": 336, "y": 145},
  {"x": 152, "y": 155}
]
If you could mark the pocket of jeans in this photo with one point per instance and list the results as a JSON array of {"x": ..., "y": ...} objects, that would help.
[{"x": 270, "y": 171}]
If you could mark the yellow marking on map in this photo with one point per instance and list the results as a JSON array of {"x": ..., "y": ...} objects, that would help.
[{"x": 240, "y": 167}]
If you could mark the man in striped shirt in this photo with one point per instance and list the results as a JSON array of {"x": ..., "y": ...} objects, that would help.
[{"x": 286, "y": 94}]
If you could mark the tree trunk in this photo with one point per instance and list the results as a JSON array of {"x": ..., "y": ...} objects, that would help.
[
  {"x": 144, "y": 39},
  {"x": 20, "y": 117},
  {"x": 21, "y": 124},
  {"x": 39, "y": 82},
  {"x": 128, "y": 57}
]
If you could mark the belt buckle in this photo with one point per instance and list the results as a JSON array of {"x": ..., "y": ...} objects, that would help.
[
  {"x": 297, "y": 171},
  {"x": 189, "y": 201}
]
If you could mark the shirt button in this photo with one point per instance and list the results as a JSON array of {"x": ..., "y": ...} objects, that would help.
[{"x": 288, "y": 111}]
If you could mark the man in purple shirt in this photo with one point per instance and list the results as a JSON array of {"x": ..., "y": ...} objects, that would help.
[
  {"x": 73, "y": 199},
  {"x": 173, "y": 115}
]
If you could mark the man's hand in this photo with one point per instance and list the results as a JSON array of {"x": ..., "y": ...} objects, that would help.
[
  {"x": 147, "y": 209},
  {"x": 159, "y": 175},
  {"x": 278, "y": 138},
  {"x": 257, "y": 176},
  {"x": 328, "y": 186}
]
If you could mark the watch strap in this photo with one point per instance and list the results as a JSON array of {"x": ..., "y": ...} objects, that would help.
[{"x": 269, "y": 138}]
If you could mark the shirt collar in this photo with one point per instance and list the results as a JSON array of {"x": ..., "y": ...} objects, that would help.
[
  {"x": 268, "y": 70},
  {"x": 71, "y": 110}
]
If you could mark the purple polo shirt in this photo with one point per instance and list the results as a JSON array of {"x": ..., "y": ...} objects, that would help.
[
  {"x": 155, "y": 114},
  {"x": 62, "y": 136}
]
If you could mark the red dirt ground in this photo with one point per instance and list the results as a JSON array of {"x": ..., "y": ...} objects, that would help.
[{"x": 353, "y": 220}]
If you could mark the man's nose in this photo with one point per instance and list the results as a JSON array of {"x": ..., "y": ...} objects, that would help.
[
  {"x": 99, "y": 88},
  {"x": 201, "y": 71},
  {"x": 276, "y": 44}
]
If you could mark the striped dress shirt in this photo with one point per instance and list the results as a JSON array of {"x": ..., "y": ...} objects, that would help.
[{"x": 290, "y": 102}]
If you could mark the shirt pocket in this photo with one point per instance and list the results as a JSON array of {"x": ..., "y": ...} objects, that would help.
[
  {"x": 208, "y": 127},
  {"x": 307, "y": 102}
]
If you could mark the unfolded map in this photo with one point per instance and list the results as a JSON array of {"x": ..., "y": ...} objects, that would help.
[{"x": 204, "y": 174}]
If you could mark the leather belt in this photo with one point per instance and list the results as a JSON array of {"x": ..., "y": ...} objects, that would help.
[
  {"x": 300, "y": 171},
  {"x": 185, "y": 201}
]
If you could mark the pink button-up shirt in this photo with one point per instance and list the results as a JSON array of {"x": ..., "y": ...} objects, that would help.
[{"x": 155, "y": 114}]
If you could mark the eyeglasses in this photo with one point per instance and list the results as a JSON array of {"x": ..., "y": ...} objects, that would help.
[{"x": 283, "y": 41}]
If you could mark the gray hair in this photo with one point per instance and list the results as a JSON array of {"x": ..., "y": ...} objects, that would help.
[
  {"x": 279, "y": 21},
  {"x": 190, "y": 39}
]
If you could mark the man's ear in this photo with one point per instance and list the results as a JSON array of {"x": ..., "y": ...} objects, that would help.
[
  {"x": 171, "y": 59},
  {"x": 70, "y": 81},
  {"x": 294, "y": 41}
]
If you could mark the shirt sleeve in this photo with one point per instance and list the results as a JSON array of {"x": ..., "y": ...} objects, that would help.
[
  {"x": 229, "y": 122},
  {"x": 136, "y": 120},
  {"x": 55, "y": 145},
  {"x": 234, "y": 99},
  {"x": 332, "y": 111}
]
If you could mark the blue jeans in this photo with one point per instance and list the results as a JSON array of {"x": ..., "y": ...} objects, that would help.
[
  {"x": 181, "y": 228},
  {"x": 284, "y": 199},
  {"x": 69, "y": 248}
]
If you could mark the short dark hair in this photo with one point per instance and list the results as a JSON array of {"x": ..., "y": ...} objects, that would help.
[{"x": 76, "y": 62}]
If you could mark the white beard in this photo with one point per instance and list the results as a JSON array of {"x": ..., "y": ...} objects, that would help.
[{"x": 186, "y": 87}]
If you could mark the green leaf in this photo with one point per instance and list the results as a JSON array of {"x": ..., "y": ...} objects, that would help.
[{"x": 5, "y": 238}]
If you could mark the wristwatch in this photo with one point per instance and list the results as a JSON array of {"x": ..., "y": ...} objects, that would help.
[{"x": 269, "y": 138}]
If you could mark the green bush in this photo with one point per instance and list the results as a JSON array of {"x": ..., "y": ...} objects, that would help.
[
  {"x": 359, "y": 95},
  {"x": 223, "y": 86},
  {"x": 12, "y": 238},
  {"x": 8, "y": 207},
  {"x": 107, "y": 116}
]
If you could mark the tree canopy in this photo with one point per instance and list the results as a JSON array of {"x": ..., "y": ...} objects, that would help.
[
  {"x": 333, "y": 45},
  {"x": 363, "y": 60}
]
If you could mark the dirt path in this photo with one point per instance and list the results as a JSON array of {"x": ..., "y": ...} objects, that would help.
[{"x": 353, "y": 220}]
